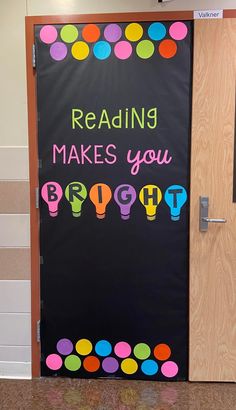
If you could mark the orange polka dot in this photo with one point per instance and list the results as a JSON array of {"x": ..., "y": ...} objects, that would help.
[
  {"x": 91, "y": 33},
  {"x": 91, "y": 364},
  {"x": 168, "y": 48},
  {"x": 162, "y": 351}
]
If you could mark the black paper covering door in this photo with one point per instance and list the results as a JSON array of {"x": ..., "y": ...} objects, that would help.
[{"x": 114, "y": 103}]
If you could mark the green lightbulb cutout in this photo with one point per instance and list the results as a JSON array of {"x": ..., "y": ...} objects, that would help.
[{"x": 76, "y": 193}]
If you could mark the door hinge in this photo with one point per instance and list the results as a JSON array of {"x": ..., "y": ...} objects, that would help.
[
  {"x": 38, "y": 332},
  {"x": 37, "y": 197},
  {"x": 33, "y": 56}
]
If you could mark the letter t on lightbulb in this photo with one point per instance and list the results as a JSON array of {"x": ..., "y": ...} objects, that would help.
[{"x": 175, "y": 197}]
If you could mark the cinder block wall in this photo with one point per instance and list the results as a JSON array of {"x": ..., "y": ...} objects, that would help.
[{"x": 15, "y": 319}]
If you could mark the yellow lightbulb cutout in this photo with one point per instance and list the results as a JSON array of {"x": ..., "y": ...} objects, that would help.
[{"x": 150, "y": 196}]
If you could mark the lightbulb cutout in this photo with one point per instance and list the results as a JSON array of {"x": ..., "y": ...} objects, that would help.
[
  {"x": 76, "y": 193},
  {"x": 150, "y": 196},
  {"x": 125, "y": 196},
  {"x": 51, "y": 192},
  {"x": 100, "y": 195},
  {"x": 175, "y": 197}
]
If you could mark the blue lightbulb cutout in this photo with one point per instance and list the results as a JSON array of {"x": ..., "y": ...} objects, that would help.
[{"x": 175, "y": 197}]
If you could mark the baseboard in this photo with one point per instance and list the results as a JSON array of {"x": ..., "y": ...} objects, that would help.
[{"x": 15, "y": 370}]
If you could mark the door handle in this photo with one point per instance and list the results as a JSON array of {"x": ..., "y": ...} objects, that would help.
[
  {"x": 203, "y": 215},
  {"x": 215, "y": 220}
]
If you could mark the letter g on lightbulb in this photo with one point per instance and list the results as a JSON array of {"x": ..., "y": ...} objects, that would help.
[{"x": 125, "y": 195}]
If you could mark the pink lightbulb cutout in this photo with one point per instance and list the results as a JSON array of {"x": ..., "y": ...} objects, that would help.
[
  {"x": 125, "y": 195},
  {"x": 52, "y": 193}
]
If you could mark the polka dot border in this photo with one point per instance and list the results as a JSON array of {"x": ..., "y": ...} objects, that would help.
[
  {"x": 111, "y": 359},
  {"x": 160, "y": 39}
]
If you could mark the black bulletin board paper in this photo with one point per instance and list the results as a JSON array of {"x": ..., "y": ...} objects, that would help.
[{"x": 114, "y": 103}]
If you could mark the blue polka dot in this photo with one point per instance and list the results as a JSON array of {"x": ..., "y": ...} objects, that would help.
[
  {"x": 103, "y": 348},
  {"x": 157, "y": 31},
  {"x": 102, "y": 50},
  {"x": 149, "y": 367}
]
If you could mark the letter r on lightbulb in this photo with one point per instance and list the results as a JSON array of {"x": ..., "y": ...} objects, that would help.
[{"x": 52, "y": 193}]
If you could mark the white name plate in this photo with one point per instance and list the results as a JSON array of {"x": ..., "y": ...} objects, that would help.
[{"x": 208, "y": 14}]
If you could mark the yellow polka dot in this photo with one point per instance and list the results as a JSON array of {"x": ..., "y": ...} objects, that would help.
[
  {"x": 133, "y": 32},
  {"x": 84, "y": 347},
  {"x": 129, "y": 366},
  {"x": 80, "y": 50}
]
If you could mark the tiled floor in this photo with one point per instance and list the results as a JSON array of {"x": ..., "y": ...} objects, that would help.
[{"x": 74, "y": 394}]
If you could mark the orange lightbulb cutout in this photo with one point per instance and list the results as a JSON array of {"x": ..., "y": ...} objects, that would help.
[{"x": 100, "y": 195}]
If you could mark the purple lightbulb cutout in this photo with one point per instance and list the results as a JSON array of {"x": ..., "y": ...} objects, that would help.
[{"x": 125, "y": 195}]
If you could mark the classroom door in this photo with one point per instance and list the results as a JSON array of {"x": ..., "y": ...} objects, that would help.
[
  {"x": 114, "y": 111},
  {"x": 213, "y": 253}
]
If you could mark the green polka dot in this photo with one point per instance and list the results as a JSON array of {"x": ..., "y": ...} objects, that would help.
[
  {"x": 145, "y": 49},
  {"x": 142, "y": 351},
  {"x": 72, "y": 362},
  {"x": 69, "y": 33}
]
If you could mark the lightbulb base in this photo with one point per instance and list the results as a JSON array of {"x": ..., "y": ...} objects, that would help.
[
  {"x": 53, "y": 214},
  {"x": 151, "y": 217},
  {"x": 125, "y": 217},
  {"x": 175, "y": 218},
  {"x": 76, "y": 214},
  {"x": 100, "y": 216}
]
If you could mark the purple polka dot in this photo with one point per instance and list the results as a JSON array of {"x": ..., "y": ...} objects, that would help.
[
  {"x": 123, "y": 50},
  {"x": 112, "y": 33},
  {"x": 64, "y": 346},
  {"x": 58, "y": 51},
  {"x": 48, "y": 34},
  {"x": 110, "y": 365}
]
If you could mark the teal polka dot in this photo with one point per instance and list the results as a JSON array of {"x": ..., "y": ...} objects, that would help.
[
  {"x": 157, "y": 31},
  {"x": 102, "y": 50},
  {"x": 149, "y": 367}
]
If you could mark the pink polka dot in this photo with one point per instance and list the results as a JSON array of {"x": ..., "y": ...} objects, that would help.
[
  {"x": 123, "y": 50},
  {"x": 122, "y": 349},
  {"x": 48, "y": 34},
  {"x": 178, "y": 30},
  {"x": 54, "y": 362},
  {"x": 169, "y": 369}
]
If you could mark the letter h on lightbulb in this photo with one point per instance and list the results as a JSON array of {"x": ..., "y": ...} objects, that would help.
[{"x": 150, "y": 196}]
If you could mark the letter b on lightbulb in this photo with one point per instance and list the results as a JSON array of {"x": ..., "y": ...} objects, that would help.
[
  {"x": 52, "y": 193},
  {"x": 150, "y": 196},
  {"x": 175, "y": 197}
]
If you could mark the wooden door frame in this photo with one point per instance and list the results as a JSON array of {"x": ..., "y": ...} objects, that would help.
[{"x": 30, "y": 22}]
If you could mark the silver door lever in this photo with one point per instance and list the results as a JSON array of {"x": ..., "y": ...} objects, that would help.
[
  {"x": 215, "y": 220},
  {"x": 203, "y": 215}
]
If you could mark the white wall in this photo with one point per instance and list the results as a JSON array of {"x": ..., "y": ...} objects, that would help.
[{"x": 15, "y": 336}]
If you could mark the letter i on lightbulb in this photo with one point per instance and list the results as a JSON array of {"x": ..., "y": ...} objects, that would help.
[
  {"x": 76, "y": 193},
  {"x": 100, "y": 195},
  {"x": 52, "y": 193},
  {"x": 175, "y": 197},
  {"x": 125, "y": 196},
  {"x": 150, "y": 196}
]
